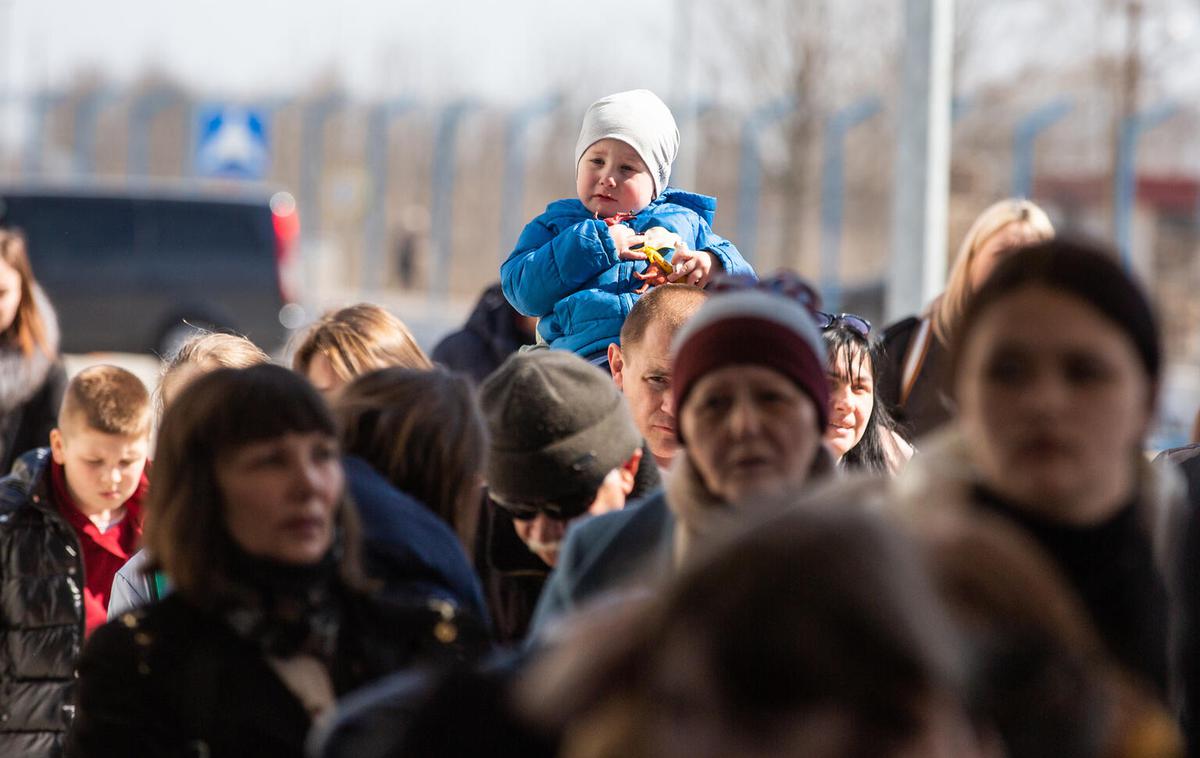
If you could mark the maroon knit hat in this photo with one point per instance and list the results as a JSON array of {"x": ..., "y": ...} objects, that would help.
[{"x": 752, "y": 327}]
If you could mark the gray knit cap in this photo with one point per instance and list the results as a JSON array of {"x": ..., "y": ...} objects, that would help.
[
  {"x": 557, "y": 425},
  {"x": 639, "y": 119}
]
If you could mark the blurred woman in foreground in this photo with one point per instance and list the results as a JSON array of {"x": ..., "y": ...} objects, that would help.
[
  {"x": 817, "y": 634},
  {"x": 1056, "y": 372}
]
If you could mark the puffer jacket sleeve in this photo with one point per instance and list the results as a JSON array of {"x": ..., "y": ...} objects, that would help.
[
  {"x": 722, "y": 249},
  {"x": 546, "y": 267},
  {"x": 696, "y": 232}
]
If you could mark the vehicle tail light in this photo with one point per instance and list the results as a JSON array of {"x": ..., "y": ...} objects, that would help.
[{"x": 286, "y": 222}]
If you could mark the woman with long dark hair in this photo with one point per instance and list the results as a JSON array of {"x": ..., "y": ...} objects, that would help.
[{"x": 861, "y": 433}]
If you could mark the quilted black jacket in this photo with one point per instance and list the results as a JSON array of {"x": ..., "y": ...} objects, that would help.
[{"x": 41, "y": 612}]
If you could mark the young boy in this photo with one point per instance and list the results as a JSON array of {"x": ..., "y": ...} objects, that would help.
[
  {"x": 70, "y": 516},
  {"x": 574, "y": 265}
]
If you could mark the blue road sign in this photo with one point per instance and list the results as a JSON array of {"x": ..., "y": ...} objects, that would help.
[{"x": 231, "y": 142}]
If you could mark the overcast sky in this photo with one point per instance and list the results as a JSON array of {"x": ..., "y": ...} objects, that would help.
[
  {"x": 256, "y": 47},
  {"x": 501, "y": 51}
]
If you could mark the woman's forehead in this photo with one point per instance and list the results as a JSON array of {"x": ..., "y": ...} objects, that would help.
[
  {"x": 845, "y": 355},
  {"x": 1040, "y": 318}
]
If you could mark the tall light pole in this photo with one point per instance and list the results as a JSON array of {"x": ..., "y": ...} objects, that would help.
[
  {"x": 921, "y": 188},
  {"x": 1127, "y": 105}
]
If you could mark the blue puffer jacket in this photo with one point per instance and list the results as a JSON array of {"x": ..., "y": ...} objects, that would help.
[{"x": 565, "y": 268}]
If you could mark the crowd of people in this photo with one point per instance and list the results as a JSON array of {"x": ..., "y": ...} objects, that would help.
[{"x": 646, "y": 503}]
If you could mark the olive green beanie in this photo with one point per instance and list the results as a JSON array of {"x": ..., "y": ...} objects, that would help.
[{"x": 557, "y": 425}]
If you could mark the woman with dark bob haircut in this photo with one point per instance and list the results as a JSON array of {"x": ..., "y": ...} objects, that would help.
[
  {"x": 1056, "y": 365},
  {"x": 271, "y": 618}
]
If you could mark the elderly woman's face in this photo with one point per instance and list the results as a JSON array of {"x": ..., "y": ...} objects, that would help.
[
  {"x": 1054, "y": 404},
  {"x": 281, "y": 496},
  {"x": 749, "y": 431}
]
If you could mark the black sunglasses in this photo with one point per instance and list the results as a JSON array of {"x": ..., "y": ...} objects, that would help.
[
  {"x": 530, "y": 511},
  {"x": 855, "y": 323}
]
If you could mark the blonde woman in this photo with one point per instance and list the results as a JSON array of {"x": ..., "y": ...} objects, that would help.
[
  {"x": 915, "y": 349},
  {"x": 353, "y": 341},
  {"x": 203, "y": 353}
]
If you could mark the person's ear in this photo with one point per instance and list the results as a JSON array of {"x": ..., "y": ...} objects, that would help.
[
  {"x": 57, "y": 448},
  {"x": 616, "y": 364},
  {"x": 628, "y": 471}
]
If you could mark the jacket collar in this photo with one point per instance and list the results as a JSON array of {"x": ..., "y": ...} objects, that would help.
[
  {"x": 702, "y": 205},
  {"x": 941, "y": 478},
  {"x": 56, "y": 477},
  {"x": 30, "y": 476}
]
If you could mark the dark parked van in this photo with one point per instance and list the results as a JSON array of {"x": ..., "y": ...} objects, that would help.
[{"x": 134, "y": 270}]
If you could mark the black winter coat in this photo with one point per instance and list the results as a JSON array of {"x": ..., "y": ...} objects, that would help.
[
  {"x": 1187, "y": 458},
  {"x": 41, "y": 612},
  {"x": 929, "y": 405},
  {"x": 489, "y": 336},
  {"x": 512, "y": 576},
  {"x": 171, "y": 679}
]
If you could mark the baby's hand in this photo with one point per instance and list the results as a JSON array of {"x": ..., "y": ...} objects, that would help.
[
  {"x": 692, "y": 266},
  {"x": 624, "y": 238}
]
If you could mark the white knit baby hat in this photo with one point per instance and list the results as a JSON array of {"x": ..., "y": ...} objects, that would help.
[{"x": 639, "y": 119}]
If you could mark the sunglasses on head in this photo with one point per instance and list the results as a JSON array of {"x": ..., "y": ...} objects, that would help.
[
  {"x": 530, "y": 511},
  {"x": 855, "y": 323},
  {"x": 784, "y": 283}
]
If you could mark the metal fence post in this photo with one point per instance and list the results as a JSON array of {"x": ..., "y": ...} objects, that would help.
[
  {"x": 683, "y": 173},
  {"x": 833, "y": 192},
  {"x": 513, "y": 178},
  {"x": 312, "y": 159},
  {"x": 750, "y": 171},
  {"x": 1024, "y": 138},
  {"x": 141, "y": 115},
  {"x": 445, "y": 162},
  {"x": 1125, "y": 179},
  {"x": 87, "y": 113},
  {"x": 921, "y": 182},
  {"x": 35, "y": 143},
  {"x": 375, "y": 232}
]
